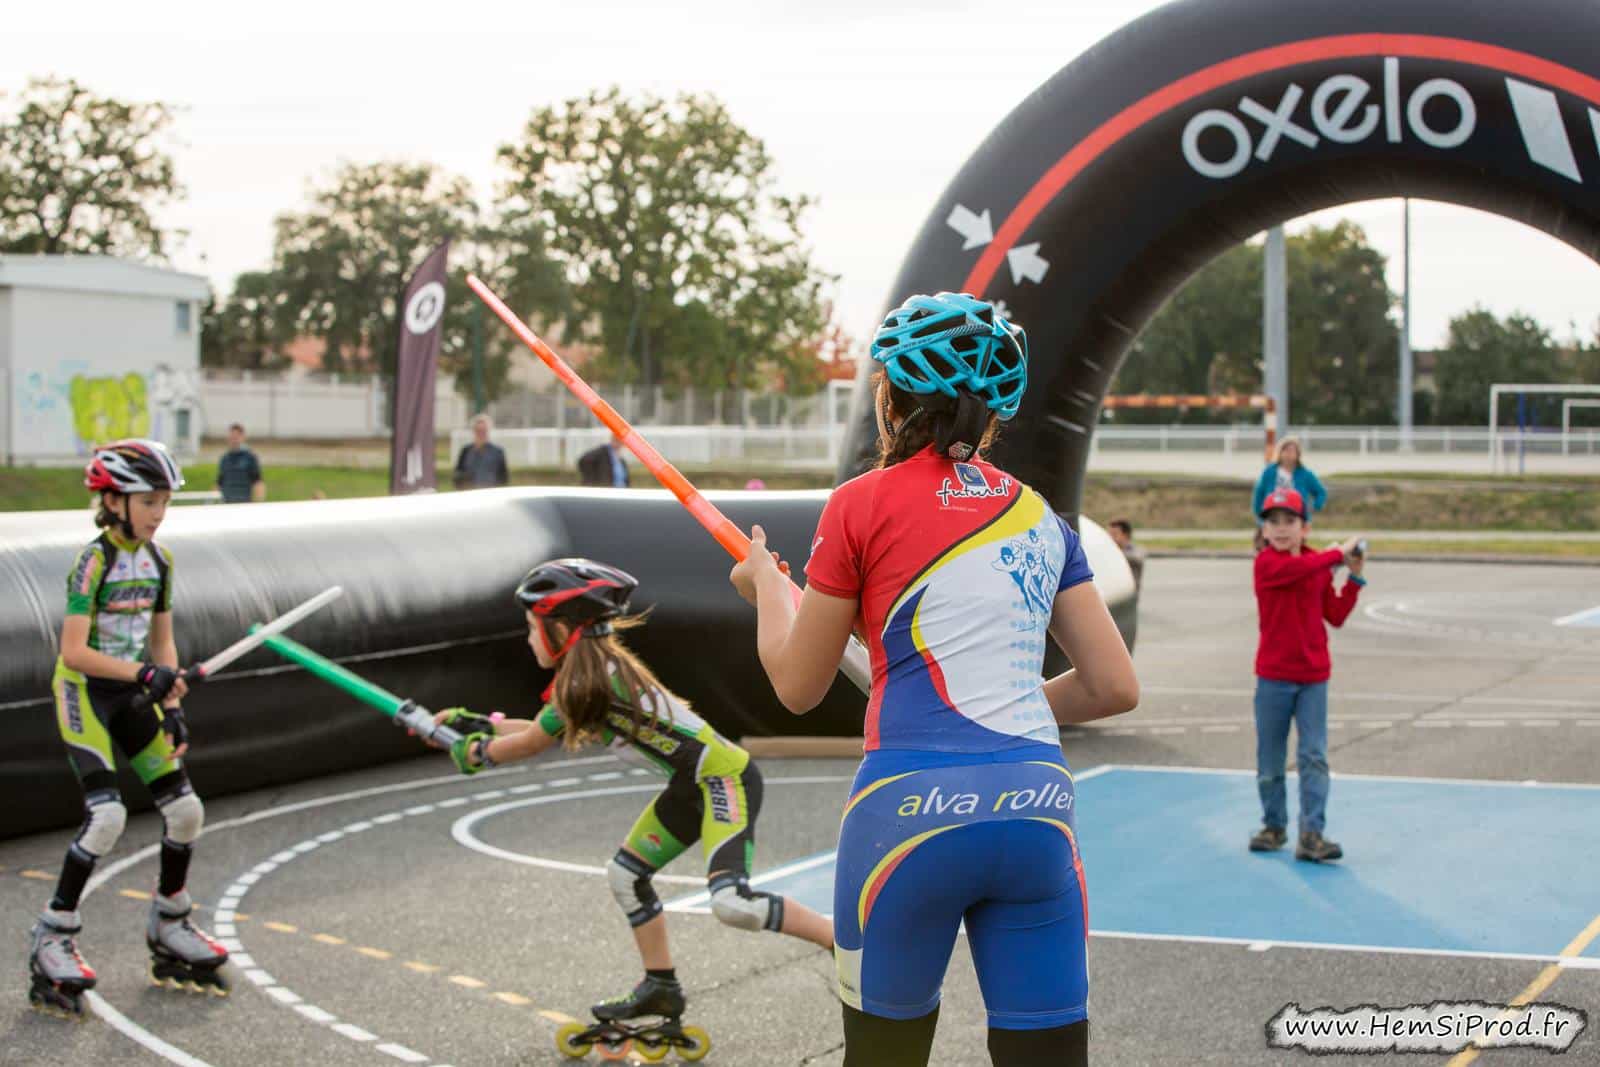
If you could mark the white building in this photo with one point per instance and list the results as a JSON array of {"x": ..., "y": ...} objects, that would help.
[{"x": 92, "y": 349}]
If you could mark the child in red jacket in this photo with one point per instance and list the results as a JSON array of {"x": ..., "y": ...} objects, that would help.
[{"x": 1294, "y": 596}]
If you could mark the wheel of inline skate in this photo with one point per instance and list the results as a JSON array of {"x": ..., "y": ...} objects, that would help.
[
  {"x": 567, "y": 1041},
  {"x": 614, "y": 1051},
  {"x": 652, "y": 1051},
  {"x": 696, "y": 1044}
]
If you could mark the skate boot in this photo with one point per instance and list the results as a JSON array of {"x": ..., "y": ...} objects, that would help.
[
  {"x": 182, "y": 956},
  {"x": 653, "y": 996},
  {"x": 59, "y": 974},
  {"x": 658, "y": 1004}
]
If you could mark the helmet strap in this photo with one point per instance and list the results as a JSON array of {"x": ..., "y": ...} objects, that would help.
[
  {"x": 125, "y": 516},
  {"x": 958, "y": 435}
]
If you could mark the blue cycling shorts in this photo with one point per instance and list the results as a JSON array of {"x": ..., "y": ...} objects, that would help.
[{"x": 992, "y": 845}]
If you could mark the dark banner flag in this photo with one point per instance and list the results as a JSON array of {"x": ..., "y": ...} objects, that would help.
[{"x": 421, "y": 323}]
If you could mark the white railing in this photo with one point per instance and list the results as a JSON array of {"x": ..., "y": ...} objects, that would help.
[{"x": 815, "y": 448}]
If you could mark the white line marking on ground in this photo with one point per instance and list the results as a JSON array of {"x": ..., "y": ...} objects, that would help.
[
  {"x": 353, "y": 1032},
  {"x": 134, "y": 1032},
  {"x": 1580, "y": 618},
  {"x": 283, "y": 995},
  {"x": 400, "y": 1052},
  {"x": 316, "y": 1014},
  {"x": 138, "y": 1034}
]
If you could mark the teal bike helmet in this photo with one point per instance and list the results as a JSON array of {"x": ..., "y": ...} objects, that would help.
[{"x": 948, "y": 342}]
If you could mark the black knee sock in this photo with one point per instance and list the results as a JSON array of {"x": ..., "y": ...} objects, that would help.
[
  {"x": 75, "y": 872},
  {"x": 174, "y": 867},
  {"x": 1062, "y": 1046},
  {"x": 873, "y": 1041}
]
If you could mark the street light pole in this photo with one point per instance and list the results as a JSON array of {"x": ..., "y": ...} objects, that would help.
[{"x": 1406, "y": 388}]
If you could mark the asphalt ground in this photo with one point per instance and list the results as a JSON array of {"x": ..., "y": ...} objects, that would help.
[{"x": 365, "y": 931}]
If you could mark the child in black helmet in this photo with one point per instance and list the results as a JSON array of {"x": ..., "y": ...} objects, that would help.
[{"x": 603, "y": 692}]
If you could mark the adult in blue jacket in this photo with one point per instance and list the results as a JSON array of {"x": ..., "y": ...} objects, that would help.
[{"x": 1287, "y": 472}]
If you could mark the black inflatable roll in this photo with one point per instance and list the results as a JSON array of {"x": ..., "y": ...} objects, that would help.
[
  {"x": 427, "y": 613},
  {"x": 1207, "y": 121}
]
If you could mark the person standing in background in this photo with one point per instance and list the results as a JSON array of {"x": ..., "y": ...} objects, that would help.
[
  {"x": 1288, "y": 471},
  {"x": 239, "y": 471},
  {"x": 482, "y": 464},
  {"x": 604, "y": 466},
  {"x": 1121, "y": 531}
]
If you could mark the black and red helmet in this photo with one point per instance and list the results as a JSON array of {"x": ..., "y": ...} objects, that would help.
[
  {"x": 578, "y": 591},
  {"x": 135, "y": 465}
]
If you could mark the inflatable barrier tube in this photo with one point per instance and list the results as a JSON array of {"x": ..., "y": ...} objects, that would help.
[
  {"x": 427, "y": 613},
  {"x": 1208, "y": 121}
]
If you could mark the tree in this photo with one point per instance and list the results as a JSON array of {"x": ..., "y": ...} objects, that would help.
[
  {"x": 1483, "y": 350},
  {"x": 684, "y": 262},
  {"x": 340, "y": 265},
  {"x": 81, "y": 173},
  {"x": 1206, "y": 339},
  {"x": 248, "y": 329},
  {"x": 1343, "y": 344}
]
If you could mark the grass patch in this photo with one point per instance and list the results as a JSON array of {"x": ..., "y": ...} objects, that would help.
[
  {"x": 61, "y": 488},
  {"x": 1364, "y": 502}
]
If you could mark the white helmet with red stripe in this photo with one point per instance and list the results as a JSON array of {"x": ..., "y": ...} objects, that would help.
[{"x": 136, "y": 465}]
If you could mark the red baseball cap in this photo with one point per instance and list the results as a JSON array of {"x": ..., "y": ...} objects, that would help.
[{"x": 1286, "y": 499}]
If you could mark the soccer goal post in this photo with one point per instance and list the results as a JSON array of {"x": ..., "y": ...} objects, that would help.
[{"x": 1499, "y": 389}]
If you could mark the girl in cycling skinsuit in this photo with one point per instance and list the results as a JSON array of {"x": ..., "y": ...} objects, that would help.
[
  {"x": 962, "y": 810},
  {"x": 603, "y": 692}
]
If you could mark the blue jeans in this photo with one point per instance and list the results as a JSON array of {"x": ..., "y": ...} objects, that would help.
[{"x": 1278, "y": 704}]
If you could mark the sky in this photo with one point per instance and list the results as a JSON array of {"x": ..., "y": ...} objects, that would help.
[{"x": 870, "y": 107}]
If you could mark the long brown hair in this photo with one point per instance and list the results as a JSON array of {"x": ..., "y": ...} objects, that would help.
[
  {"x": 913, "y": 435},
  {"x": 583, "y": 690}
]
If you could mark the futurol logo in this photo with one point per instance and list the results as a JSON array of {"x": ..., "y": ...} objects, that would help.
[{"x": 1340, "y": 112}]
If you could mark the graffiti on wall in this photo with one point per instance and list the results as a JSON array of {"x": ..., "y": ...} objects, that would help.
[
  {"x": 70, "y": 409},
  {"x": 104, "y": 409}
]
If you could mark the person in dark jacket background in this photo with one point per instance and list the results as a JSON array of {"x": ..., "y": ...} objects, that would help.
[
  {"x": 239, "y": 471},
  {"x": 482, "y": 464},
  {"x": 603, "y": 465}
]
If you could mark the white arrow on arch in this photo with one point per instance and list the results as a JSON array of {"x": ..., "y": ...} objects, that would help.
[
  {"x": 1027, "y": 264},
  {"x": 977, "y": 229}
]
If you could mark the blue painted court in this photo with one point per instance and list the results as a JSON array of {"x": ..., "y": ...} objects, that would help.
[{"x": 1433, "y": 865}]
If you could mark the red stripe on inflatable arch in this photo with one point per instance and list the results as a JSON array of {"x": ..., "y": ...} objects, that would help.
[{"x": 1175, "y": 94}]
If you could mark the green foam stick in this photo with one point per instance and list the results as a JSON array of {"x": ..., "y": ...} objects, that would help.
[{"x": 404, "y": 712}]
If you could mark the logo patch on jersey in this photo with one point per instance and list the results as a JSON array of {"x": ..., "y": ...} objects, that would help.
[
  {"x": 654, "y": 839},
  {"x": 1027, "y": 560},
  {"x": 974, "y": 486},
  {"x": 724, "y": 800}
]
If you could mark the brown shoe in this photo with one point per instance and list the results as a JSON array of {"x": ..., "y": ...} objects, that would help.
[
  {"x": 1316, "y": 848},
  {"x": 1268, "y": 839}
]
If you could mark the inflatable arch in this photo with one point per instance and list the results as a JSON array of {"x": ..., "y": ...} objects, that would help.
[{"x": 1207, "y": 121}]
